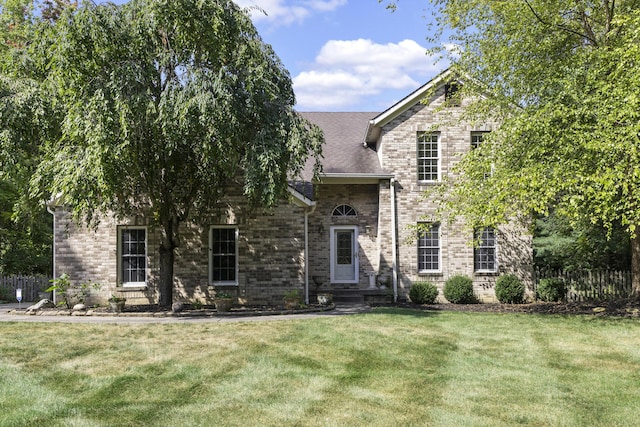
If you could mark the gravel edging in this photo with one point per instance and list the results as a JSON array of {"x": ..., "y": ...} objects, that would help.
[{"x": 54, "y": 312}]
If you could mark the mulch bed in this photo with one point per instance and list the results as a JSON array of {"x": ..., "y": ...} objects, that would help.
[
  {"x": 613, "y": 308},
  {"x": 629, "y": 308}
]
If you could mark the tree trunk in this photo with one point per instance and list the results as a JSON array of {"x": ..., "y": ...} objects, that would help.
[
  {"x": 635, "y": 264},
  {"x": 168, "y": 244},
  {"x": 165, "y": 287}
]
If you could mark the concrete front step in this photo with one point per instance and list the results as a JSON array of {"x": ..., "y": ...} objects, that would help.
[{"x": 358, "y": 296}]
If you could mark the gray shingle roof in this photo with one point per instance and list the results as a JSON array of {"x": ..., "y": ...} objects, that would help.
[{"x": 344, "y": 135}]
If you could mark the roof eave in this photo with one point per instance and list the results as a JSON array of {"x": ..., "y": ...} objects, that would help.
[{"x": 300, "y": 199}]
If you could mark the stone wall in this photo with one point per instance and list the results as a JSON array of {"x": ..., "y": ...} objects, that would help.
[
  {"x": 270, "y": 255},
  {"x": 364, "y": 199},
  {"x": 398, "y": 153}
]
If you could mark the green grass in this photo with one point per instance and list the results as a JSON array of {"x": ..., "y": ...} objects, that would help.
[{"x": 389, "y": 367}]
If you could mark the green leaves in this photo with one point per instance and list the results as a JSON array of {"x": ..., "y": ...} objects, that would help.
[
  {"x": 170, "y": 99},
  {"x": 560, "y": 77}
]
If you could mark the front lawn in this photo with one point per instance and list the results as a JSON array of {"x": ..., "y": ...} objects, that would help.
[{"x": 389, "y": 367}]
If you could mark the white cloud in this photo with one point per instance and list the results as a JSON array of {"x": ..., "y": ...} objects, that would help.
[
  {"x": 345, "y": 72},
  {"x": 287, "y": 12}
]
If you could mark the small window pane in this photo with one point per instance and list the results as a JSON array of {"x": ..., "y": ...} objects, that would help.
[
  {"x": 476, "y": 139},
  {"x": 345, "y": 247}
]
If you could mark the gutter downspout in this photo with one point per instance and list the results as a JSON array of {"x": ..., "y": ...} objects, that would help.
[
  {"x": 394, "y": 255},
  {"x": 307, "y": 212},
  {"x": 53, "y": 248}
]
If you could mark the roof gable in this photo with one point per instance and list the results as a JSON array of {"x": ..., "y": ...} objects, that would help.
[{"x": 375, "y": 125}]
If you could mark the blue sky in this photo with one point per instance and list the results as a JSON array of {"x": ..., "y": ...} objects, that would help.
[{"x": 348, "y": 55}]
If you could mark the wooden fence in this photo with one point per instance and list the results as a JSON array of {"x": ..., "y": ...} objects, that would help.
[
  {"x": 590, "y": 284},
  {"x": 30, "y": 286}
]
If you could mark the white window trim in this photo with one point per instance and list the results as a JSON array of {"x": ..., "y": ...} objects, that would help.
[
  {"x": 495, "y": 264},
  {"x": 236, "y": 234},
  {"x": 439, "y": 164},
  {"x": 121, "y": 228},
  {"x": 439, "y": 269}
]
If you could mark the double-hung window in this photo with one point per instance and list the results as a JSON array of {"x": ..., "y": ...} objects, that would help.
[
  {"x": 485, "y": 253},
  {"x": 428, "y": 156},
  {"x": 429, "y": 248},
  {"x": 223, "y": 261},
  {"x": 133, "y": 256},
  {"x": 477, "y": 138}
]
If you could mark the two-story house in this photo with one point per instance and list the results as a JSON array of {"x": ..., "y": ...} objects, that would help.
[{"x": 349, "y": 233}]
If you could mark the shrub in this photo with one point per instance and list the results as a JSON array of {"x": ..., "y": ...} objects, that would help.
[
  {"x": 509, "y": 289},
  {"x": 423, "y": 293},
  {"x": 4, "y": 294},
  {"x": 458, "y": 289},
  {"x": 551, "y": 290},
  {"x": 68, "y": 294}
]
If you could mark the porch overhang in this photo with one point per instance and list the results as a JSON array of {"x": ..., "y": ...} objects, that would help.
[{"x": 354, "y": 178}]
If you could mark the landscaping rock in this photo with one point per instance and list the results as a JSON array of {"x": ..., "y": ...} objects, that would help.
[
  {"x": 177, "y": 307},
  {"x": 43, "y": 303},
  {"x": 79, "y": 307}
]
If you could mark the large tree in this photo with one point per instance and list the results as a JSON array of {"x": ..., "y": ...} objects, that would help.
[
  {"x": 164, "y": 103},
  {"x": 562, "y": 77}
]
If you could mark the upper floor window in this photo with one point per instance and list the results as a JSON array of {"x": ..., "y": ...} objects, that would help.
[
  {"x": 428, "y": 156},
  {"x": 477, "y": 138},
  {"x": 344, "y": 210},
  {"x": 223, "y": 261},
  {"x": 429, "y": 249},
  {"x": 133, "y": 256},
  {"x": 485, "y": 252}
]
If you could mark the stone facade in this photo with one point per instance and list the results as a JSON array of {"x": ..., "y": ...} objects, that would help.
[
  {"x": 363, "y": 198},
  {"x": 271, "y": 245},
  {"x": 270, "y": 256},
  {"x": 397, "y": 149}
]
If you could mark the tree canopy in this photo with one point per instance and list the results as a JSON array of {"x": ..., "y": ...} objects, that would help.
[
  {"x": 562, "y": 78},
  {"x": 162, "y": 104},
  {"x": 27, "y": 119}
]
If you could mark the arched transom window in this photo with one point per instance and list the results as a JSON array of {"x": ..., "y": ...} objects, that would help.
[{"x": 344, "y": 210}]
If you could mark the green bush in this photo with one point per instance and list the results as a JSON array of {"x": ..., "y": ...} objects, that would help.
[
  {"x": 458, "y": 289},
  {"x": 509, "y": 289},
  {"x": 4, "y": 294},
  {"x": 551, "y": 290},
  {"x": 423, "y": 293}
]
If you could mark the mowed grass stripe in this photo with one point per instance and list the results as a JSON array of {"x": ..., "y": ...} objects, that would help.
[{"x": 389, "y": 367}]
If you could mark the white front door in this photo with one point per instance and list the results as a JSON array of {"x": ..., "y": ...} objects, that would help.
[{"x": 344, "y": 254}]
